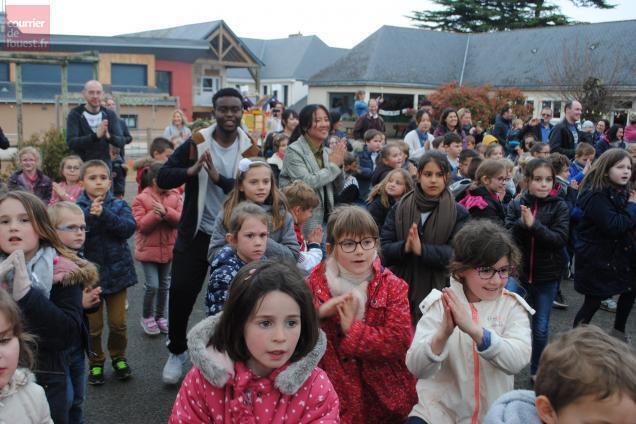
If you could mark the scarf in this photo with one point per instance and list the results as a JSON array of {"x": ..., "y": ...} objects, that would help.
[
  {"x": 422, "y": 136},
  {"x": 340, "y": 282},
  {"x": 437, "y": 230}
]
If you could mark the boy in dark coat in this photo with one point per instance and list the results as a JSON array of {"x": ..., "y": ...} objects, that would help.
[{"x": 110, "y": 224}]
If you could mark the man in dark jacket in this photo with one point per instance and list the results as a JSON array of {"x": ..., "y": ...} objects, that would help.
[
  {"x": 565, "y": 134},
  {"x": 91, "y": 128},
  {"x": 370, "y": 121},
  {"x": 503, "y": 124},
  {"x": 541, "y": 128}
]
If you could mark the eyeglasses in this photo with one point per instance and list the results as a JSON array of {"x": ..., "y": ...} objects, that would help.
[
  {"x": 73, "y": 228},
  {"x": 350, "y": 246},
  {"x": 72, "y": 168},
  {"x": 487, "y": 272},
  {"x": 546, "y": 115}
]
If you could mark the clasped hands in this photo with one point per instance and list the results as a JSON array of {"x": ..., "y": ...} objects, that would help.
[
  {"x": 346, "y": 306},
  {"x": 21, "y": 282}
]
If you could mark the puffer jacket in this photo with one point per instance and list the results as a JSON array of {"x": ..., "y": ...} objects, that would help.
[
  {"x": 223, "y": 268},
  {"x": 217, "y": 390},
  {"x": 281, "y": 244},
  {"x": 22, "y": 401},
  {"x": 41, "y": 188},
  {"x": 542, "y": 244},
  {"x": 366, "y": 365},
  {"x": 107, "y": 242},
  {"x": 604, "y": 243},
  {"x": 461, "y": 383},
  {"x": 155, "y": 235},
  {"x": 481, "y": 203}
]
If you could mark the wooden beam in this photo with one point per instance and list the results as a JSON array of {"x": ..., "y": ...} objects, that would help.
[
  {"x": 18, "y": 102},
  {"x": 64, "y": 91}
]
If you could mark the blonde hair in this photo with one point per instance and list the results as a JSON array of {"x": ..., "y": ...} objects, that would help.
[
  {"x": 55, "y": 211},
  {"x": 379, "y": 189},
  {"x": 13, "y": 315},
  {"x": 30, "y": 150},
  {"x": 275, "y": 198},
  {"x": 66, "y": 159},
  {"x": 351, "y": 221},
  {"x": 243, "y": 211},
  {"x": 184, "y": 120},
  {"x": 301, "y": 194}
]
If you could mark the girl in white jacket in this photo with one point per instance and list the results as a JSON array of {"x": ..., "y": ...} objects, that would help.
[
  {"x": 21, "y": 400},
  {"x": 473, "y": 336}
]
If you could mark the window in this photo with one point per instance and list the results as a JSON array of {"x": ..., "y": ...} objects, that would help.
[
  {"x": 530, "y": 105},
  {"x": 79, "y": 73},
  {"x": 163, "y": 80},
  {"x": 128, "y": 75},
  {"x": 41, "y": 73},
  {"x": 210, "y": 84},
  {"x": 4, "y": 72},
  {"x": 343, "y": 103},
  {"x": 264, "y": 90},
  {"x": 130, "y": 120},
  {"x": 556, "y": 109}
]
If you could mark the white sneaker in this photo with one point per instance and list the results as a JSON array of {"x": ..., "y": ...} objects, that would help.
[{"x": 174, "y": 368}]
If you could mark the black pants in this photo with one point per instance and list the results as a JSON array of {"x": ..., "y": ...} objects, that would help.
[
  {"x": 189, "y": 268},
  {"x": 54, "y": 385},
  {"x": 592, "y": 304}
]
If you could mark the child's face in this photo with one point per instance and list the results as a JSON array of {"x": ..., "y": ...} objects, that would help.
[
  {"x": 282, "y": 146},
  {"x": 463, "y": 166},
  {"x": 497, "y": 153},
  {"x": 71, "y": 171},
  {"x": 395, "y": 158},
  {"x": 565, "y": 173},
  {"x": 16, "y": 229},
  {"x": 583, "y": 159},
  {"x": 441, "y": 148},
  {"x": 359, "y": 260},
  {"x": 486, "y": 283},
  {"x": 257, "y": 184},
  {"x": 375, "y": 144},
  {"x": 432, "y": 180},
  {"x": 163, "y": 156},
  {"x": 542, "y": 182},
  {"x": 96, "y": 181},
  {"x": 632, "y": 153},
  {"x": 395, "y": 186},
  {"x": 454, "y": 150},
  {"x": 272, "y": 332},
  {"x": 301, "y": 215},
  {"x": 425, "y": 124},
  {"x": 28, "y": 163},
  {"x": 615, "y": 409},
  {"x": 496, "y": 184},
  {"x": 9, "y": 351},
  {"x": 72, "y": 229},
  {"x": 251, "y": 240},
  {"x": 621, "y": 172},
  {"x": 470, "y": 143},
  {"x": 528, "y": 142}
]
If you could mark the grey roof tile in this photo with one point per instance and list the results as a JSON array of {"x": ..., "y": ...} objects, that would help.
[{"x": 199, "y": 31}]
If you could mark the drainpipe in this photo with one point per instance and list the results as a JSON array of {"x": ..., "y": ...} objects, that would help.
[{"x": 461, "y": 76}]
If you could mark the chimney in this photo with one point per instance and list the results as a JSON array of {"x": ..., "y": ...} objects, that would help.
[{"x": 298, "y": 34}]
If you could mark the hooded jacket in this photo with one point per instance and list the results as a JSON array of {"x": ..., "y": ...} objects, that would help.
[
  {"x": 459, "y": 385},
  {"x": 366, "y": 365},
  {"x": 516, "y": 407},
  {"x": 542, "y": 244},
  {"x": 155, "y": 235},
  {"x": 481, "y": 203},
  {"x": 217, "y": 390},
  {"x": 42, "y": 187},
  {"x": 22, "y": 401}
]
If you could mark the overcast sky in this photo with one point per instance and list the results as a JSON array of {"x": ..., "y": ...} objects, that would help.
[{"x": 339, "y": 23}]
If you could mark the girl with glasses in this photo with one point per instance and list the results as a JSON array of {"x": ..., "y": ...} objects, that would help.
[
  {"x": 364, "y": 310},
  {"x": 474, "y": 336},
  {"x": 69, "y": 188},
  {"x": 483, "y": 199},
  {"x": 540, "y": 221}
]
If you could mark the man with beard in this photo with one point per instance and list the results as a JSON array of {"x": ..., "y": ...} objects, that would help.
[
  {"x": 565, "y": 134},
  {"x": 91, "y": 128},
  {"x": 207, "y": 164}
]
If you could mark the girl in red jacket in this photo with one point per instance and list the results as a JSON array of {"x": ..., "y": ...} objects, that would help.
[
  {"x": 157, "y": 212},
  {"x": 255, "y": 362},
  {"x": 364, "y": 309}
]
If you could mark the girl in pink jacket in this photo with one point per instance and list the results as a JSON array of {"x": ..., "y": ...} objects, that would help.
[
  {"x": 256, "y": 362},
  {"x": 157, "y": 213}
]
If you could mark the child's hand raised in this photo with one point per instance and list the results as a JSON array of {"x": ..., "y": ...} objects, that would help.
[
  {"x": 57, "y": 188},
  {"x": 328, "y": 309},
  {"x": 448, "y": 323},
  {"x": 462, "y": 316},
  {"x": 96, "y": 206},
  {"x": 90, "y": 297},
  {"x": 526, "y": 216},
  {"x": 347, "y": 310},
  {"x": 315, "y": 236},
  {"x": 21, "y": 280},
  {"x": 158, "y": 208},
  {"x": 413, "y": 244}
]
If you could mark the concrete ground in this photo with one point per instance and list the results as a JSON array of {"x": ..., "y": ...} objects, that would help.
[{"x": 144, "y": 399}]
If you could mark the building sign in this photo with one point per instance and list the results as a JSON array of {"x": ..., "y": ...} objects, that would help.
[{"x": 27, "y": 27}]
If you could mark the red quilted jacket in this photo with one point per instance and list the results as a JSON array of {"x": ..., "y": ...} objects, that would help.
[{"x": 366, "y": 366}]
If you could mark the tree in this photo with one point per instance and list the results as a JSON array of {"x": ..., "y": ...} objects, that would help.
[
  {"x": 497, "y": 15},
  {"x": 484, "y": 102}
]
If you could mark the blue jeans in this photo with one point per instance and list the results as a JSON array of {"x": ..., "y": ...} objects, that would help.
[
  {"x": 540, "y": 298},
  {"x": 514, "y": 286},
  {"x": 157, "y": 286},
  {"x": 76, "y": 384}
]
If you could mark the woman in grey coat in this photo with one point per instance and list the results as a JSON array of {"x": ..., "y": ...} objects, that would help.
[{"x": 310, "y": 161}]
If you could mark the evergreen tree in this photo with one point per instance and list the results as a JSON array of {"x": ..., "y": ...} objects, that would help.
[{"x": 496, "y": 15}]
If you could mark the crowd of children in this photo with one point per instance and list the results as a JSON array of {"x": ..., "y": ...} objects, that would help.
[{"x": 383, "y": 282}]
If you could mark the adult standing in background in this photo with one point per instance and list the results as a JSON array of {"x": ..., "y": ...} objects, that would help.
[
  {"x": 565, "y": 134},
  {"x": 109, "y": 102},
  {"x": 369, "y": 121},
  {"x": 178, "y": 127},
  {"x": 449, "y": 122},
  {"x": 92, "y": 128},
  {"x": 503, "y": 125},
  {"x": 466, "y": 125},
  {"x": 4, "y": 141},
  {"x": 318, "y": 166},
  {"x": 360, "y": 107}
]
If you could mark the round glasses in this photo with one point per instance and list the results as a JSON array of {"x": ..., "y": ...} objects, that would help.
[
  {"x": 73, "y": 228},
  {"x": 487, "y": 272},
  {"x": 350, "y": 246}
]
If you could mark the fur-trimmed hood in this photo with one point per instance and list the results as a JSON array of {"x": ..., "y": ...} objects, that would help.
[
  {"x": 85, "y": 273},
  {"x": 218, "y": 368}
]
